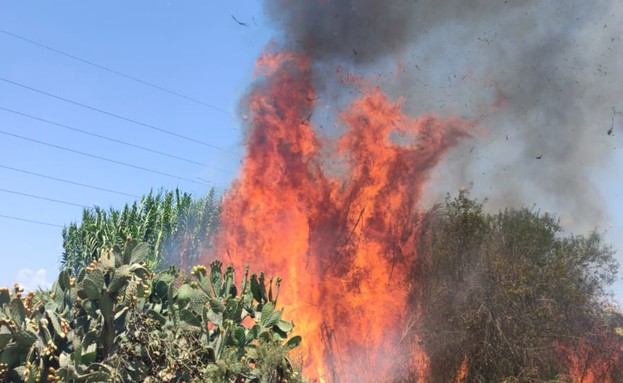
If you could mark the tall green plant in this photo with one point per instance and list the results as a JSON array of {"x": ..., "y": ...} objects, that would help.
[{"x": 174, "y": 225}]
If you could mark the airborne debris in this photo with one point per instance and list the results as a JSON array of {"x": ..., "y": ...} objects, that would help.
[
  {"x": 294, "y": 171},
  {"x": 611, "y": 130},
  {"x": 239, "y": 22},
  {"x": 306, "y": 119}
]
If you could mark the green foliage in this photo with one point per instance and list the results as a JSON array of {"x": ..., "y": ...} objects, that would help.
[
  {"x": 174, "y": 225},
  {"x": 504, "y": 291},
  {"x": 119, "y": 321}
]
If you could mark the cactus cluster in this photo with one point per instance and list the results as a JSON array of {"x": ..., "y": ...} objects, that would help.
[{"x": 119, "y": 321}]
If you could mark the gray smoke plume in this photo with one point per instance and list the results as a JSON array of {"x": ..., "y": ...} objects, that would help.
[{"x": 541, "y": 78}]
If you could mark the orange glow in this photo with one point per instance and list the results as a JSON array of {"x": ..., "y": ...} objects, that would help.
[
  {"x": 461, "y": 375},
  {"x": 339, "y": 227},
  {"x": 594, "y": 362}
]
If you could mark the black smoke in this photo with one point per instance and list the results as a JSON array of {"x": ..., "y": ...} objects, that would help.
[{"x": 542, "y": 78}]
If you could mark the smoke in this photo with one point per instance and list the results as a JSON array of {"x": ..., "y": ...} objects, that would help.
[
  {"x": 542, "y": 78},
  {"x": 346, "y": 122}
]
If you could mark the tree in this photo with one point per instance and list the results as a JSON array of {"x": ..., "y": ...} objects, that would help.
[
  {"x": 511, "y": 297},
  {"x": 175, "y": 225}
]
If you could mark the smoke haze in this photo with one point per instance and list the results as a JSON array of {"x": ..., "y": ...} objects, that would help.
[{"x": 541, "y": 78}]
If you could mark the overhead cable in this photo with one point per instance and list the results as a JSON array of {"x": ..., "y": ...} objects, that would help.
[
  {"x": 29, "y": 220},
  {"x": 133, "y": 121},
  {"x": 43, "y": 198},
  {"x": 101, "y": 158},
  {"x": 116, "y": 72},
  {"x": 101, "y": 136},
  {"x": 68, "y": 181}
]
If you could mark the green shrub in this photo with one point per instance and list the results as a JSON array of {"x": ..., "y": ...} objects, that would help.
[
  {"x": 119, "y": 321},
  {"x": 512, "y": 297}
]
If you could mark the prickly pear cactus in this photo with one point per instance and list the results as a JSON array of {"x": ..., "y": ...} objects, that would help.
[{"x": 119, "y": 321}]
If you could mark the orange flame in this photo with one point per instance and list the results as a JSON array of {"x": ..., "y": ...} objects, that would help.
[
  {"x": 461, "y": 375},
  {"x": 595, "y": 362},
  {"x": 343, "y": 243}
]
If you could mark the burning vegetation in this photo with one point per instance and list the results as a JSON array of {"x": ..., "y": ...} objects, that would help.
[
  {"x": 361, "y": 114},
  {"x": 343, "y": 243},
  {"x": 344, "y": 132}
]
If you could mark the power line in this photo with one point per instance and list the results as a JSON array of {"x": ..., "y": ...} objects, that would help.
[
  {"x": 110, "y": 70},
  {"x": 181, "y": 136},
  {"x": 68, "y": 181},
  {"x": 102, "y": 137},
  {"x": 43, "y": 198},
  {"x": 101, "y": 158},
  {"x": 29, "y": 220}
]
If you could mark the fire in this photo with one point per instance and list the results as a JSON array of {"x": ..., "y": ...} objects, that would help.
[
  {"x": 594, "y": 362},
  {"x": 339, "y": 232},
  {"x": 463, "y": 371}
]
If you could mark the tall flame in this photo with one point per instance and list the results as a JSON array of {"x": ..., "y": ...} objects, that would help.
[{"x": 335, "y": 221}]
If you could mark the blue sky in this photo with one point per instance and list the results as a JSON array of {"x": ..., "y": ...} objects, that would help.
[{"x": 193, "y": 48}]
